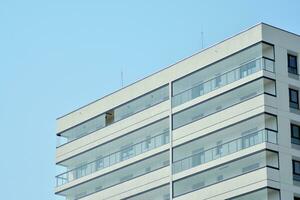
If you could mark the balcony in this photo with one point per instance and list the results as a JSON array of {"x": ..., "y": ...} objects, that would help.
[
  {"x": 252, "y": 139},
  {"x": 117, "y": 177},
  {"x": 226, "y": 171},
  {"x": 265, "y": 193},
  {"x": 160, "y": 193},
  {"x": 113, "y": 158},
  {"x": 218, "y": 103},
  {"x": 242, "y": 71},
  {"x": 114, "y": 115}
]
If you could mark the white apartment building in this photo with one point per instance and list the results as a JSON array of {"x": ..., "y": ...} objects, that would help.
[{"x": 222, "y": 124}]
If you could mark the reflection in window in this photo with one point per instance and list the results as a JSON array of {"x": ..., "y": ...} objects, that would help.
[
  {"x": 109, "y": 117},
  {"x": 226, "y": 171},
  {"x": 217, "y": 103},
  {"x": 134, "y": 143},
  {"x": 295, "y": 133},
  {"x": 294, "y": 98},
  {"x": 259, "y": 129},
  {"x": 118, "y": 176},
  {"x": 237, "y": 66},
  {"x": 262, "y": 194},
  {"x": 296, "y": 170},
  {"x": 292, "y": 64},
  {"x": 126, "y": 152},
  {"x": 160, "y": 193}
]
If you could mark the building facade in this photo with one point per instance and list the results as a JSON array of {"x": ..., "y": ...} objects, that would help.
[{"x": 221, "y": 124}]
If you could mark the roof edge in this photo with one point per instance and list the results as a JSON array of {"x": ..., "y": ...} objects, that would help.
[{"x": 181, "y": 60}]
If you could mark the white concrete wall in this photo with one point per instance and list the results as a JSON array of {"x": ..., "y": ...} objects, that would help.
[
  {"x": 284, "y": 42},
  {"x": 283, "y": 179}
]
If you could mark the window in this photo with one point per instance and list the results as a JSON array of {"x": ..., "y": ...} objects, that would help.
[
  {"x": 198, "y": 157},
  {"x": 294, "y": 98},
  {"x": 116, "y": 114},
  {"x": 250, "y": 138},
  {"x": 217, "y": 103},
  {"x": 292, "y": 64},
  {"x": 126, "y": 152},
  {"x": 265, "y": 193},
  {"x": 129, "y": 172},
  {"x": 295, "y": 133},
  {"x": 233, "y": 68},
  {"x": 296, "y": 170},
  {"x": 81, "y": 171},
  {"x": 159, "y": 193},
  {"x": 226, "y": 171}
]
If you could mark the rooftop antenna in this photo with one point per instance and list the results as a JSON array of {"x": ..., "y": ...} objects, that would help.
[
  {"x": 122, "y": 80},
  {"x": 202, "y": 38}
]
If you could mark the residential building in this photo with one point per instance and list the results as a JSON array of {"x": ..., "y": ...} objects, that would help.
[{"x": 221, "y": 124}]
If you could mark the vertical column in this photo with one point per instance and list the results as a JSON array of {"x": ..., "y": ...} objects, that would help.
[{"x": 171, "y": 140}]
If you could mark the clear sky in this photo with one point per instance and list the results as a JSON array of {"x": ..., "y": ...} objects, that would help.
[{"x": 58, "y": 55}]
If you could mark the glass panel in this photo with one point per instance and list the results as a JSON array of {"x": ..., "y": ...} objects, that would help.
[
  {"x": 262, "y": 194},
  {"x": 295, "y": 134},
  {"x": 161, "y": 193},
  {"x": 119, "y": 176},
  {"x": 272, "y": 159},
  {"x": 118, "y": 150},
  {"x": 297, "y": 167},
  {"x": 82, "y": 129},
  {"x": 295, "y": 130},
  {"x": 223, "y": 72},
  {"x": 228, "y": 134},
  {"x": 141, "y": 103},
  {"x": 293, "y": 61},
  {"x": 223, "y": 172},
  {"x": 227, "y": 148},
  {"x": 292, "y": 64},
  {"x": 268, "y": 51},
  {"x": 294, "y": 98},
  {"x": 217, "y": 103},
  {"x": 296, "y": 170},
  {"x": 269, "y": 86},
  {"x": 114, "y": 115}
]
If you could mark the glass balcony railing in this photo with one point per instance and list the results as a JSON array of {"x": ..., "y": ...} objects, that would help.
[
  {"x": 116, "y": 177},
  {"x": 216, "y": 104},
  {"x": 114, "y": 115},
  {"x": 231, "y": 76},
  {"x": 261, "y": 136},
  {"x": 226, "y": 171},
  {"x": 160, "y": 193},
  {"x": 262, "y": 194},
  {"x": 116, "y": 157}
]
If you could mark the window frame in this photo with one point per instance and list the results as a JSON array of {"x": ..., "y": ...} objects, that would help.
[
  {"x": 225, "y": 164},
  {"x": 211, "y": 98},
  {"x": 294, "y": 169},
  {"x": 253, "y": 191},
  {"x": 60, "y": 134},
  {"x": 291, "y": 100},
  {"x": 290, "y": 66},
  {"x": 293, "y": 136}
]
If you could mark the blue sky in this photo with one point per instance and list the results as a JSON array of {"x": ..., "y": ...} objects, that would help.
[{"x": 58, "y": 55}]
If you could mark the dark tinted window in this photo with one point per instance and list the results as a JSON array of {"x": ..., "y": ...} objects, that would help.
[
  {"x": 292, "y": 64},
  {"x": 294, "y": 98},
  {"x": 295, "y": 133},
  {"x": 296, "y": 167}
]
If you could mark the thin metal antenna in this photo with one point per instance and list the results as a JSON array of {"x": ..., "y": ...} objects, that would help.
[
  {"x": 202, "y": 38},
  {"x": 122, "y": 80}
]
